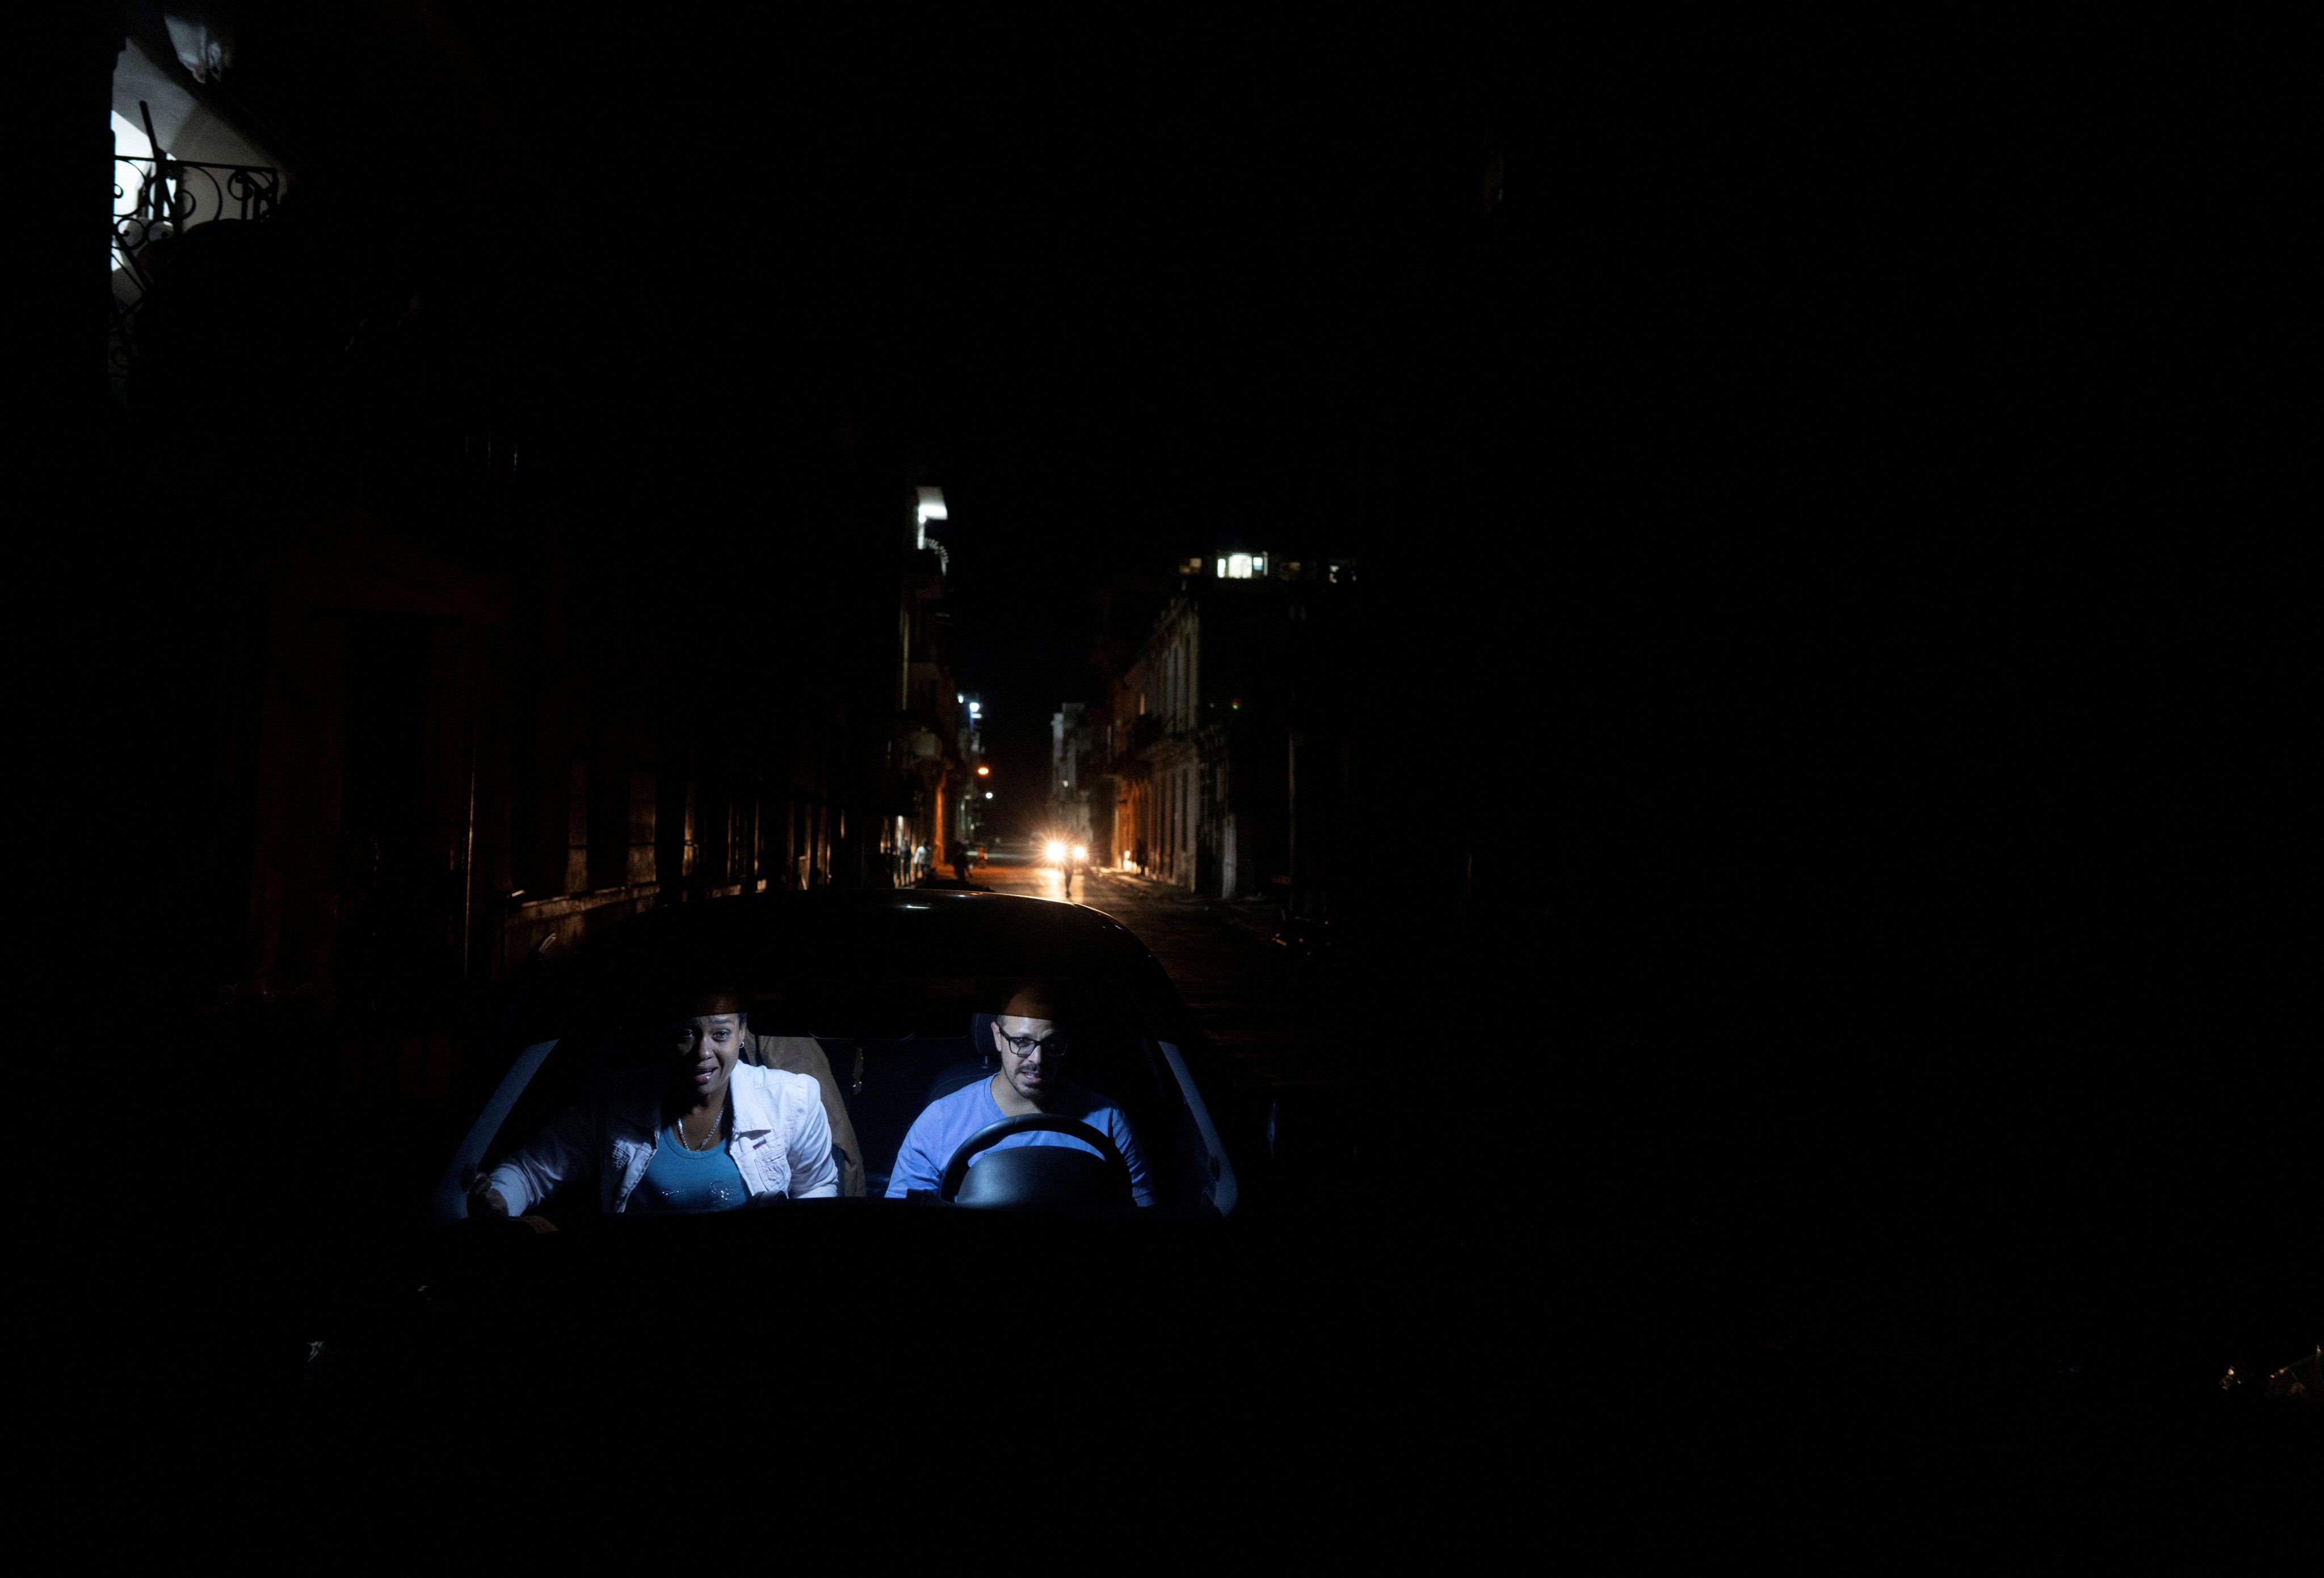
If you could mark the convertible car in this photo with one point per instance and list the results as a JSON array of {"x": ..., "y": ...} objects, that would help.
[
  {"x": 886, "y": 1000},
  {"x": 880, "y": 996}
]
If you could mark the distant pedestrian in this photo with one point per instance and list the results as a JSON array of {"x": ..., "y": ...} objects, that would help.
[
  {"x": 960, "y": 862},
  {"x": 1137, "y": 857}
]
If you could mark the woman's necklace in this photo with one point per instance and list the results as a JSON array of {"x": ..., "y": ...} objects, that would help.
[{"x": 707, "y": 1140}]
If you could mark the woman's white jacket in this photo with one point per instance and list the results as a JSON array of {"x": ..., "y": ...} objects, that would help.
[{"x": 782, "y": 1142}]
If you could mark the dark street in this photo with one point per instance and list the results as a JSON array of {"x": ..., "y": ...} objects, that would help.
[{"x": 1665, "y": 658}]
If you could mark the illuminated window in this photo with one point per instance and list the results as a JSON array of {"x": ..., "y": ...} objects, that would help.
[
  {"x": 1238, "y": 567},
  {"x": 1258, "y": 564},
  {"x": 1223, "y": 566}
]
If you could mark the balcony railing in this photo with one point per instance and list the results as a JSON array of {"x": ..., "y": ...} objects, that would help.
[
  {"x": 172, "y": 197},
  {"x": 380, "y": 407}
]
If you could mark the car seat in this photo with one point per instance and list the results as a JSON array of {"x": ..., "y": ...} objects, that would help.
[{"x": 974, "y": 1064}]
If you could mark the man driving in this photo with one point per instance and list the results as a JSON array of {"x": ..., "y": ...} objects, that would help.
[{"x": 1028, "y": 1051}]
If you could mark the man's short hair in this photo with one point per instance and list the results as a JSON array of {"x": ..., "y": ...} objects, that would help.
[{"x": 1000, "y": 996}]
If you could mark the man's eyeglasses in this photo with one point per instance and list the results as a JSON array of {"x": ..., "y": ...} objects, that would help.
[{"x": 1026, "y": 1046}]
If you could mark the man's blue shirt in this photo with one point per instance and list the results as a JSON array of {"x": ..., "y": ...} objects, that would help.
[{"x": 950, "y": 1120}]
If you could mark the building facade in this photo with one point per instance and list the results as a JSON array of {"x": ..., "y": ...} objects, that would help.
[
  {"x": 454, "y": 648},
  {"x": 1222, "y": 745}
]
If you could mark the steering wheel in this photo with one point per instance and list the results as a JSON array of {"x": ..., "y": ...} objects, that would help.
[{"x": 1109, "y": 1156}]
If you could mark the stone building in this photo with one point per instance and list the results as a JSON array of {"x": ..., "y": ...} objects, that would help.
[{"x": 1223, "y": 744}]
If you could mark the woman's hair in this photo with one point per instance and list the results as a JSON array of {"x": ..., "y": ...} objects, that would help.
[{"x": 714, "y": 1001}]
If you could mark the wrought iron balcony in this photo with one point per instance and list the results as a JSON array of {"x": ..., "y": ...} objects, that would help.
[
  {"x": 390, "y": 411},
  {"x": 172, "y": 197}
]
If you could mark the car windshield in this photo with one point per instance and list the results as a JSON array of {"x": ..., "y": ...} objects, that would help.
[{"x": 889, "y": 1045}]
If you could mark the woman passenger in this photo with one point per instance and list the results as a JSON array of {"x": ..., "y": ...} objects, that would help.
[{"x": 699, "y": 1132}]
